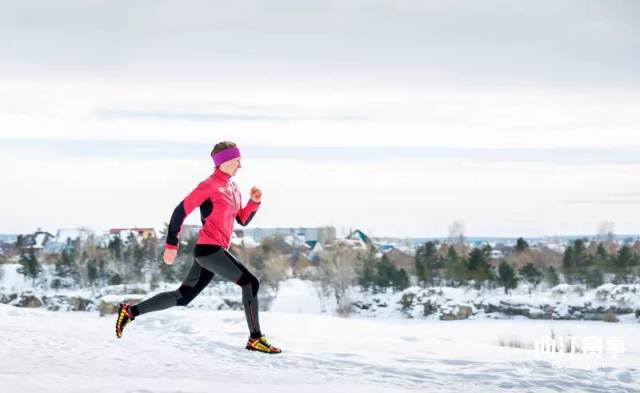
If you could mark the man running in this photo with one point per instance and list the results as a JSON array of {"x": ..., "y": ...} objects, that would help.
[{"x": 220, "y": 204}]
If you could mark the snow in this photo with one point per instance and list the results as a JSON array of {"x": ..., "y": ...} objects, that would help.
[
  {"x": 300, "y": 296},
  {"x": 199, "y": 349},
  {"x": 12, "y": 281},
  {"x": 191, "y": 350}
]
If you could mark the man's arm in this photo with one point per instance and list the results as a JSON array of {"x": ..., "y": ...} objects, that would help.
[
  {"x": 246, "y": 214},
  {"x": 184, "y": 208}
]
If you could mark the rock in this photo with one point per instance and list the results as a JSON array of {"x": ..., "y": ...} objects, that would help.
[
  {"x": 407, "y": 301},
  {"x": 28, "y": 299},
  {"x": 429, "y": 308},
  {"x": 109, "y": 304},
  {"x": 361, "y": 305},
  {"x": 107, "y": 308},
  {"x": 67, "y": 303},
  {"x": 457, "y": 313},
  {"x": 4, "y": 299},
  {"x": 80, "y": 304}
]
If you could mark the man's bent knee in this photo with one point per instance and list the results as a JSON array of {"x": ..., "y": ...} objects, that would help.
[
  {"x": 183, "y": 295},
  {"x": 249, "y": 279}
]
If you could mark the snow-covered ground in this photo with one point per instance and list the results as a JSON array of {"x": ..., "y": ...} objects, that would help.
[
  {"x": 192, "y": 350},
  {"x": 199, "y": 349}
]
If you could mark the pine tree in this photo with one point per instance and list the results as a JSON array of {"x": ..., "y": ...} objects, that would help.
[
  {"x": 367, "y": 277},
  {"x": 531, "y": 275},
  {"x": 427, "y": 263},
  {"x": 66, "y": 274},
  {"x": 507, "y": 277},
  {"x": 568, "y": 263},
  {"x": 454, "y": 267},
  {"x": 594, "y": 278},
  {"x": 478, "y": 266},
  {"x": 92, "y": 272},
  {"x": 385, "y": 272},
  {"x": 602, "y": 260},
  {"x": 401, "y": 280},
  {"x": 551, "y": 276},
  {"x": 29, "y": 265},
  {"x": 115, "y": 246},
  {"x": 582, "y": 260},
  {"x": 521, "y": 245},
  {"x": 623, "y": 262},
  {"x": 388, "y": 276}
]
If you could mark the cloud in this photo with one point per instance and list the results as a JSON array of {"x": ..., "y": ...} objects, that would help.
[
  {"x": 154, "y": 150},
  {"x": 493, "y": 43},
  {"x": 218, "y": 117},
  {"x": 604, "y": 201}
]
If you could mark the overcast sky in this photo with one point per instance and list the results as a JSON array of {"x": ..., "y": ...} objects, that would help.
[{"x": 519, "y": 118}]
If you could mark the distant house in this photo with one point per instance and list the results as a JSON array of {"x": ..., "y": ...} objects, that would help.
[
  {"x": 72, "y": 234},
  {"x": 310, "y": 235},
  {"x": 139, "y": 233},
  {"x": 361, "y": 236},
  {"x": 35, "y": 242},
  {"x": 65, "y": 235}
]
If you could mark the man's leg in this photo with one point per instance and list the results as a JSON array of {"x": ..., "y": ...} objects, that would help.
[
  {"x": 197, "y": 279},
  {"x": 225, "y": 265}
]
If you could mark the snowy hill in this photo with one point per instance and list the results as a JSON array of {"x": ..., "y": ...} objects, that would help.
[{"x": 188, "y": 350}]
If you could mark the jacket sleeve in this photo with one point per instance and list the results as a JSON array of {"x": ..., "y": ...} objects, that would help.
[
  {"x": 245, "y": 215},
  {"x": 184, "y": 208}
]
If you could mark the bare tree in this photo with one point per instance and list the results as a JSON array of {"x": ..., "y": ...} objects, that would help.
[
  {"x": 276, "y": 269},
  {"x": 337, "y": 272}
]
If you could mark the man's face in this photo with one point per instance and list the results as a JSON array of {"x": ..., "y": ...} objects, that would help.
[{"x": 231, "y": 167}]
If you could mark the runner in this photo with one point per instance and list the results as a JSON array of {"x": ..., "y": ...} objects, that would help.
[{"x": 220, "y": 204}]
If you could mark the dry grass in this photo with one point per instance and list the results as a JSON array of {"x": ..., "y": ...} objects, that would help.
[
  {"x": 610, "y": 317},
  {"x": 514, "y": 342}
]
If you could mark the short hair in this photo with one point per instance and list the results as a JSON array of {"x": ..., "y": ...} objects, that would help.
[{"x": 222, "y": 146}]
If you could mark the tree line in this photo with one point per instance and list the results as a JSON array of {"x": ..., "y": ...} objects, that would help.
[{"x": 447, "y": 265}]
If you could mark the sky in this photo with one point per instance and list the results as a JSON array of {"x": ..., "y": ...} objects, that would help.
[{"x": 394, "y": 117}]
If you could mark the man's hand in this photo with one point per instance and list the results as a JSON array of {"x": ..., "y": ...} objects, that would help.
[
  {"x": 170, "y": 256},
  {"x": 256, "y": 194}
]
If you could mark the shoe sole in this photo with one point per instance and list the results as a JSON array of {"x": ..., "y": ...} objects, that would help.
[{"x": 257, "y": 350}]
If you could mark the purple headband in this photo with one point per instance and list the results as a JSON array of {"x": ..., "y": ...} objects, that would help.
[{"x": 225, "y": 155}]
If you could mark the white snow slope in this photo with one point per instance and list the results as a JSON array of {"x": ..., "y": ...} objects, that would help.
[{"x": 191, "y": 350}]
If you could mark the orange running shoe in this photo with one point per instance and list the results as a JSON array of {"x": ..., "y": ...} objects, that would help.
[
  {"x": 124, "y": 317},
  {"x": 261, "y": 344}
]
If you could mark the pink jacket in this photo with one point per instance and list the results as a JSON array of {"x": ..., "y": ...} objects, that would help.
[{"x": 220, "y": 203}]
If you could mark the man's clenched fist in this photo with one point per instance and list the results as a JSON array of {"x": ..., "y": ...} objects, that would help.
[{"x": 256, "y": 194}]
